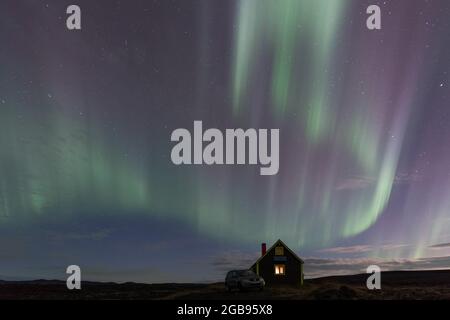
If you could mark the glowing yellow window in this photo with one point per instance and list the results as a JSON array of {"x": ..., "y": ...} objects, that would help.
[
  {"x": 279, "y": 251},
  {"x": 280, "y": 269}
]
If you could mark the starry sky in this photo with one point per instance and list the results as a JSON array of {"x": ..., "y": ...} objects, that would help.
[{"x": 86, "y": 117}]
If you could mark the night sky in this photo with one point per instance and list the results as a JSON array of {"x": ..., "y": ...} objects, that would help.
[{"x": 86, "y": 117}]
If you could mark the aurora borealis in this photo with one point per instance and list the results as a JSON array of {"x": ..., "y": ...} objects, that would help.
[{"x": 86, "y": 118}]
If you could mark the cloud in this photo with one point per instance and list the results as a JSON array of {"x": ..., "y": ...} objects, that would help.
[
  {"x": 322, "y": 267},
  {"x": 160, "y": 245},
  {"x": 99, "y": 234},
  {"x": 318, "y": 267},
  {"x": 149, "y": 274},
  {"x": 231, "y": 260},
  {"x": 362, "y": 248},
  {"x": 351, "y": 249},
  {"x": 354, "y": 183},
  {"x": 440, "y": 246},
  {"x": 362, "y": 182}
]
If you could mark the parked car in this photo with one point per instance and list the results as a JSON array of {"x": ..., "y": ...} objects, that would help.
[{"x": 243, "y": 279}]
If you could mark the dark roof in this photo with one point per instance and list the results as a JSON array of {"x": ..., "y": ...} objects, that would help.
[{"x": 273, "y": 246}]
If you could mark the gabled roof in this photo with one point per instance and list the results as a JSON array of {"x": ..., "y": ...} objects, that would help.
[{"x": 284, "y": 245}]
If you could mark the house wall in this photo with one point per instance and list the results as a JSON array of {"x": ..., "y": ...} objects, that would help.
[{"x": 266, "y": 269}]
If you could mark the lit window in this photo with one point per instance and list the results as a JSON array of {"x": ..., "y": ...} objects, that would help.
[
  {"x": 279, "y": 251},
  {"x": 280, "y": 269}
]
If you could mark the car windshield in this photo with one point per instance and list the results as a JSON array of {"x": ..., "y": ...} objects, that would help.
[{"x": 246, "y": 273}]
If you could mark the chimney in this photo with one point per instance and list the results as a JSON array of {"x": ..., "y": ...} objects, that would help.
[{"x": 263, "y": 248}]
